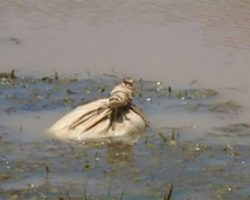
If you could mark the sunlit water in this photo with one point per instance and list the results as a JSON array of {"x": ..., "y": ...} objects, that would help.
[{"x": 184, "y": 44}]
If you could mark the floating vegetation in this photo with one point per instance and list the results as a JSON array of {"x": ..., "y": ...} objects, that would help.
[
  {"x": 4, "y": 177},
  {"x": 15, "y": 40},
  {"x": 10, "y": 75},
  {"x": 232, "y": 130},
  {"x": 170, "y": 192},
  {"x": 10, "y": 41},
  {"x": 56, "y": 91},
  {"x": 7, "y": 78},
  {"x": 51, "y": 169},
  {"x": 225, "y": 107},
  {"x": 196, "y": 94},
  {"x": 170, "y": 135},
  {"x": 221, "y": 107}
]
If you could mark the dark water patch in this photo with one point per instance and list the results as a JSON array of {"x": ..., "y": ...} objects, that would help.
[{"x": 9, "y": 41}]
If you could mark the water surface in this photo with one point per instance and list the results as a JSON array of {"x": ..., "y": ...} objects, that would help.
[{"x": 197, "y": 141}]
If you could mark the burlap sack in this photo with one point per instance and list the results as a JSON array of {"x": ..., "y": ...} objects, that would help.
[{"x": 113, "y": 119}]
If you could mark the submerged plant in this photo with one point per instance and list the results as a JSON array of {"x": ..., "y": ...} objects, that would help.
[
  {"x": 223, "y": 107},
  {"x": 170, "y": 192}
]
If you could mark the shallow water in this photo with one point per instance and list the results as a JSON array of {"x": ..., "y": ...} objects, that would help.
[
  {"x": 201, "y": 159},
  {"x": 198, "y": 139},
  {"x": 178, "y": 42}
]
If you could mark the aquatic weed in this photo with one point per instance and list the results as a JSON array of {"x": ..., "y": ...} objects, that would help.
[
  {"x": 170, "y": 192},
  {"x": 224, "y": 107}
]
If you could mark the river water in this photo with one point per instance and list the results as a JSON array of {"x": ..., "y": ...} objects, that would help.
[
  {"x": 173, "y": 41},
  {"x": 182, "y": 43}
]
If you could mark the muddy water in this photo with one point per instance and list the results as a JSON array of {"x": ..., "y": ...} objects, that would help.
[
  {"x": 173, "y": 41},
  {"x": 200, "y": 141}
]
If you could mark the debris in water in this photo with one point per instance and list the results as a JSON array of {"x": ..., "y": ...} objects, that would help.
[
  {"x": 10, "y": 75},
  {"x": 113, "y": 119},
  {"x": 47, "y": 170},
  {"x": 170, "y": 192},
  {"x": 15, "y": 40},
  {"x": 148, "y": 99},
  {"x": 56, "y": 77},
  {"x": 169, "y": 89}
]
